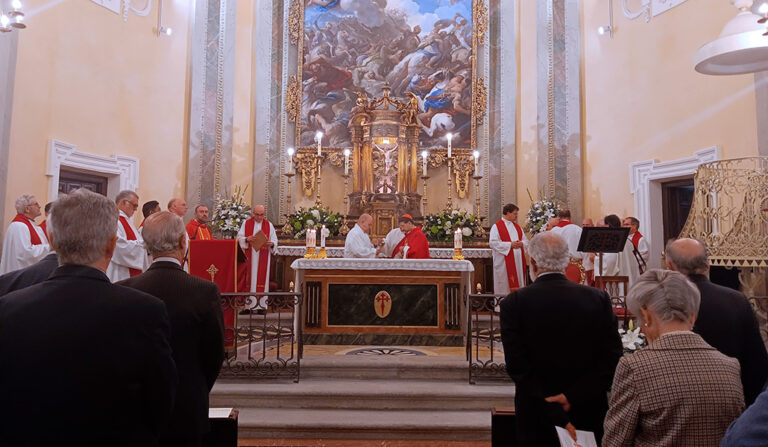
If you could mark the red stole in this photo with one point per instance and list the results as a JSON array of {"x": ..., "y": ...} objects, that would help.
[
  {"x": 636, "y": 238},
  {"x": 198, "y": 231},
  {"x": 44, "y": 226},
  {"x": 33, "y": 236},
  {"x": 131, "y": 236},
  {"x": 509, "y": 259},
  {"x": 261, "y": 272},
  {"x": 418, "y": 247},
  {"x": 562, "y": 224}
]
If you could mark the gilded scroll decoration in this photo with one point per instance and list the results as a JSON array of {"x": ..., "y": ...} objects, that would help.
[
  {"x": 481, "y": 20},
  {"x": 463, "y": 168},
  {"x": 293, "y": 99},
  {"x": 295, "y": 19},
  {"x": 306, "y": 165},
  {"x": 480, "y": 101}
]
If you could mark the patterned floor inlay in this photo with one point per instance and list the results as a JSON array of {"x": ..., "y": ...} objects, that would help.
[{"x": 386, "y": 351}]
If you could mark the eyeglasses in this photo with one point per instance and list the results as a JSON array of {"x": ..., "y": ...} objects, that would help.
[{"x": 134, "y": 204}]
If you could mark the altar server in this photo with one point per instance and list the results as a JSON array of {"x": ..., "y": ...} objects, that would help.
[
  {"x": 638, "y": 240},
  {"x": 259, "y": 260},
  {"x": 25, "y": 243},
  {"x": 130, "y": 257},
  {"x": 508, "y": 243},
  {"x": 358, "y": 243},
  {"x": 623, "y": 263},
  {"x": 197, "y": 228},
  {"x": 570, "y": 232},
  {"x": 414, "y": 240}
]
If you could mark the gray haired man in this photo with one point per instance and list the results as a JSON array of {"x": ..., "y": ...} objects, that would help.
[
  {"x": 130, "y": 257},
  {"x": 25, "y": 243}
]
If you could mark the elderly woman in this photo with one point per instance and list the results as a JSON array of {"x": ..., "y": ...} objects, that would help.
[{"x": 679, "y": 391}]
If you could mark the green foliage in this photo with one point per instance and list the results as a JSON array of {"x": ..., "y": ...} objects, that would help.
[{"x": 440, "y": 227}]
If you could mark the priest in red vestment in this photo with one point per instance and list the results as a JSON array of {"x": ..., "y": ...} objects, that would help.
[
  {"x": 638, "y": 240},
  {"x": 197, "y": 228},
  {"x": 44, "y": 224},
  {"x": 259, "y": 260},
  {"x": 24, "y": 243},
  {"x": 508, "y": 242},
  {"x": 414, "y": 240}
]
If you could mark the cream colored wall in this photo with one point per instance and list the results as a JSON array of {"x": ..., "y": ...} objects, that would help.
[
  {"x": 109, "y": 87},
  {"x": 643, "y": 100},
  {"x": 527, "y": 138},
  {"x": 242, "y": 138}
]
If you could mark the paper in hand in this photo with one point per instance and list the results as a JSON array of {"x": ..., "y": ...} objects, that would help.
[{"x": 583, "y": 438}]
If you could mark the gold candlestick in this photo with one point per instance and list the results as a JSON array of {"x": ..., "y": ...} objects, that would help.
[
  {"x": 287, "y": 228},
  {"x": 344, "y": 230},
  {"x": 449, "y": 205},
  {"x": 319, "y": 161},
  {"x": 480, "y": 231},
  {"x": 424, "y": 195}
]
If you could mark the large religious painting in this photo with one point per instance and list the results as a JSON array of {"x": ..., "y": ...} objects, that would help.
[{"x": 358, "y": 46}]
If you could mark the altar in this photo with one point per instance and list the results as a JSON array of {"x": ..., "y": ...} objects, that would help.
[{"x": 383, "y": 301}]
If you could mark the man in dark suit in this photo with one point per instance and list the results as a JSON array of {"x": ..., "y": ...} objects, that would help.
[
  {"x": 726, "y": 320},
  {"x": 197, "y": 327},
  {"x": 35, "y": 273},
  {"x": 561, "y": 347},
  {"x": 87, "y": 361}
]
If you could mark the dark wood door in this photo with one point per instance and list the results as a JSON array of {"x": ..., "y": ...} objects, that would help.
[
  {"x": 72, "y": 180},
  {"x": 677, "y": 197}
]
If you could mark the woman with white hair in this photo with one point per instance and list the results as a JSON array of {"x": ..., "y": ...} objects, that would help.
[
  {"x": 25, "y": 243},
  {"x": 679, "y": 391}
]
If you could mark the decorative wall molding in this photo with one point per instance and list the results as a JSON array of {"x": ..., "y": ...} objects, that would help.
[
  {"x": 122, "y": 171},
  {"x": 645, "y": 178}
]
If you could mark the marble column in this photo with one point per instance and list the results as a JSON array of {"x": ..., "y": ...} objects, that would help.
[
  {"x": 559, "y": 102},
  {"x": 8, "y": 48},
  {"x": 209, "y": 155},
  {"x": 502, "y": 152}
]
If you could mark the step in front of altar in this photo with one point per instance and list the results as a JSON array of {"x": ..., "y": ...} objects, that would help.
[{"x": 387, "y": 397}]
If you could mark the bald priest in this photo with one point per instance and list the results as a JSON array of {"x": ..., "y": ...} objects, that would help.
[{"x": 358, "y": 244}]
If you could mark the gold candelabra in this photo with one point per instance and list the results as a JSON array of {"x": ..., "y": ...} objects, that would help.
[
  {"x": 424, "y": 195},
  {"x": 319, "y": 161},
  {"x": 481, "y": 231},
  {"x": 344, "y": 230},
  {"x": 287, "y": 228},
  {"x": 449, "y": 205}
]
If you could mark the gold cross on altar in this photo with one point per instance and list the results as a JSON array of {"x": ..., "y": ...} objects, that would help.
[{"x": 212, "y": 270}]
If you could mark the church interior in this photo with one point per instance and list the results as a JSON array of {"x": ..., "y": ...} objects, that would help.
[{"x": 429, "y": 113}]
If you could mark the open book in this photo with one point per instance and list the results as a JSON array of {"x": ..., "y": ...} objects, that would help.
[{"x": 583, "y": 438}]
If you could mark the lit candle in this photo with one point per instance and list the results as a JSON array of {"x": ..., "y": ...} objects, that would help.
[
  {"x": 346, "y": 161},
  {"x": 424, "y": 155},
  {"x": 457, "y": 238},
  {"x": 308, "y": 238},
  {"x": 289, "y": 164},
  {"x": 319, "y": 139},
  {"x": 314, "y": 237},
  {"x": 476, "y": 154},
  {"x": 450, "y": 139},
  {"x": 322, "y": 237}
]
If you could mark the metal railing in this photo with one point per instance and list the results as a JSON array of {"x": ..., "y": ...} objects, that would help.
[
  {"x": 261, "y": 336},
  {"x": 484, "y": 338}
]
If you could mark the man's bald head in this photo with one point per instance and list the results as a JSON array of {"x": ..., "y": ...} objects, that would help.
[
  {"x": 365, "y": 221},
  {"x": 587, "y": 222},
  {"x": 258, "y": 213},
  {"x": 687, "y": 256}
]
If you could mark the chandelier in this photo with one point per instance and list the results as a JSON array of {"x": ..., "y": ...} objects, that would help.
[{"x": 13, "y": 18}]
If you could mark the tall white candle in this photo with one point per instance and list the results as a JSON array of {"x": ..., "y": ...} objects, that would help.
[
  {"x": 476, "y": 155},
  {"x": 319, "y": 139},
  {"x": 450, "y": 140},
  {"x": 308, "y": 238},
  {"x": 424, "y": 155},
  {"x": 346, "y": 161},
  {"x": 322, "y": 237},
  {"x": 457, "y": 241},
  {"x": 289, "y": 164}
]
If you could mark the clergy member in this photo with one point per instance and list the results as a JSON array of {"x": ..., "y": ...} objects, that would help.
[
  {"x": 623, "y": 263},
  {"x": 24, "y": 243},
  {"x": 148, "y": 209},
  {"x": 259, "y": 260},
  {"x": 508, "y": 243},
  {"x": 197, "y": 228},
  {"x": 570, "y": 232},
  {"x": 178, "y": 206},
  {"x": 130, "y": 256},
  {"x": 44, "y": 223},
  {"x": 414, "y": 240},
  {"x": 390, "y": 241},
  {"x": 358, "y": 243},
  {"x": 638, "y": 240}
]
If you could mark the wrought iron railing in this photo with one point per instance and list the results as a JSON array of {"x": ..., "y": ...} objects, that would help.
[
  {"x": 485, "y": 351},
  {"x": 263, "y": 340}
]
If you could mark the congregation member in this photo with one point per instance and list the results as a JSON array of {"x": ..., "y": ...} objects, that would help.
[
  {"x": 197, "y": 327},
  {"x": 24, "y": 243},
  {"x": 638, "y": 240},
  {"x": 197, "y": 228},
  {"x": 358, "y": 244},
  {"x": 678, "y": 391},
  {"x": 44, "y": 223},
  {"x": 130, "y": 257},
  {"x": 570, "y": 232},
  {"x": 99, "y": 371},
  {"x": 726, "y": 319},
  {"x": 508, "y": 241},
  {"x": 414, "y": 244},
  {"x": 561, "y": 346},
  {"x": 751, "y": 428},
  {"x": 148, "y": 209},
  {"x": 35, "y": 273},
  {"x": 259, "y": 260},
  {"x": 623, "y": 263},
  {"x": 390, "y": 241}
]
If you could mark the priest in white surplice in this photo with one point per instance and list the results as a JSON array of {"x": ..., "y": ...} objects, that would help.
[
  {"x": 358, "y": 244},
  {"x": 259, "y": 260},
  {"x": 391, "y": 240},
  {"x": 623, "y": 263},
  {"x": 570, "y": 232},
  {"x": 130, "y": 256},
  {"x": 25, "y": 243},
  {"x": 508, "y": 243}
]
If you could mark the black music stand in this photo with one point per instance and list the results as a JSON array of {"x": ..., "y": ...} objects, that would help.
[{"x": 603, "y": 240}]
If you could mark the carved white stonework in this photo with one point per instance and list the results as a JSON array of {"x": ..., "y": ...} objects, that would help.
[
  {"x": 662, "y": 6},
  {"x": 645, "y": 179},
  {"x": 121, "y": 171},
  {"x": 433, "y": 265},
  {"x": 434, "y": 253},
  {"x": 112, "y": 5}
]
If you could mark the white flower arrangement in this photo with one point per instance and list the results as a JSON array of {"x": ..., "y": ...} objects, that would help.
[
  {"x": 632, "y": 339},
  {"x": 541, "y": 211},
  {"x": 229, "y": 213}
]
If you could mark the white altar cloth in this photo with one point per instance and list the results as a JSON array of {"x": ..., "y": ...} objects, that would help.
[
  {"x": 431, "y": 265},
  {"x": 435, "y": 253}
]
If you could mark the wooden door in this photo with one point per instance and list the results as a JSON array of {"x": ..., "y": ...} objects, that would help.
[
  {"x": 72, "y": 180},
  {"x": 677, "y": 197}
]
